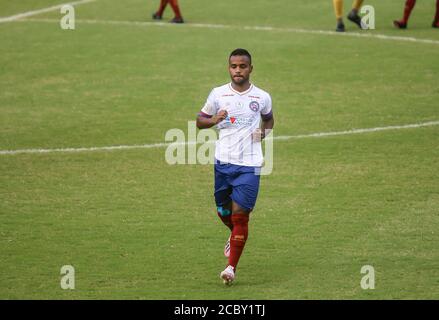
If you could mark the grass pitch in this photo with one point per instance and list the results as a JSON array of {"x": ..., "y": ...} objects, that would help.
[{"x": 135, "y": 227}]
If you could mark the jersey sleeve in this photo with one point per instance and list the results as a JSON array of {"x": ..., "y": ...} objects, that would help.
[
  {"x": 267, "y": 110},
  {"x": 210, "y": 107}
]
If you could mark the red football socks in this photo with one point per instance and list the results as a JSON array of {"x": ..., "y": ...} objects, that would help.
[
  {"x": 175, "y": 8},
  {"x": 436, "y": 17},
  {"x": 163, "y": 4},
  {"x": 238, "y": 238},
  {"x": 409, "y": 5},
  {"x": 227, "y": 220}
]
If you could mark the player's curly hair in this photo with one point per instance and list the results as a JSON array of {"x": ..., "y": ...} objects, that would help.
[{"x": 241, "y": 52}]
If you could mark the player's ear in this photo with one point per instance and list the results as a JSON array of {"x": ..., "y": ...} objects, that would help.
[{"x": 251, "y": 68}]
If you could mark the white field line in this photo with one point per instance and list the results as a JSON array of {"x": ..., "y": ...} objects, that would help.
[
  {"x": 165, "y": 144},
  {"x": 357, "y": 131},
  {"x": 364, "y": 34},
  {"x": 40, "y": 11}
]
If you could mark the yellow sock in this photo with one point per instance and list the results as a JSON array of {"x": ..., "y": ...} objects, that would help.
[
  {"x": 338, "y": 8},
  {"x": 357, "y": 4}
]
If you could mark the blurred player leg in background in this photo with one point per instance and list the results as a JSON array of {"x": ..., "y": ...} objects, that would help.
[
  {"x": 158, "y": 15},
  {"x": 338, "y": 8},
  {"x": 436, "y": 17},
  {"x": 402, "y": 24},
  {"x": 175, "y": 7},
  {"x": 353, "y": 14}
]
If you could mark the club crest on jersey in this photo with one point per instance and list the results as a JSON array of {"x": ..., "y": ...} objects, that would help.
[{"x": 254, "y": 106}]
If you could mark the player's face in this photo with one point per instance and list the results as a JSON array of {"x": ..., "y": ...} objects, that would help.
[{"x": 240, "y": 69}]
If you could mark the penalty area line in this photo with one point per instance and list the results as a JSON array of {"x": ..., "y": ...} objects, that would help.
[{"x": 165, "y": 144}]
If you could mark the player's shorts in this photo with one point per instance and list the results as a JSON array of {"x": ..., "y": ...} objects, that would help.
[{"x": 237, "y": 183}]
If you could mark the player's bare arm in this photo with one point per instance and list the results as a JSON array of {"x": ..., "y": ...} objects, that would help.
[
  {"x": 204, "y": 122},
  {"x": 266, "y": 127}
]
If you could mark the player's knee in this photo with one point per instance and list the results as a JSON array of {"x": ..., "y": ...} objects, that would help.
[
  {"x": 240, "y": 223},
  {"x": 237, "y": 209},
  {"x": 240, "y": 219},
  {"x": 224, "y": 212}
]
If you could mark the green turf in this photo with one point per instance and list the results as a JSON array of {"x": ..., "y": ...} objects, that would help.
[{"x": 135, "y": 227}]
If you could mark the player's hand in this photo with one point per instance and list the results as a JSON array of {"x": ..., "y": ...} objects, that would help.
[
  {"x": 258, "y": 135},
  {"x": 220, "y": 116}
]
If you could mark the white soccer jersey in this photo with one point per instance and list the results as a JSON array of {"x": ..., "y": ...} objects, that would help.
[{"x": 245, "y": 109}]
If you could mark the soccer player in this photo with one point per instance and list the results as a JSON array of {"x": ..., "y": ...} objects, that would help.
[
  {"x": 409, "y": 5},
  {"x": 175, "y": 7},
  {"x": 352, "y": 16},
  {"x": 243, "y": 115}
]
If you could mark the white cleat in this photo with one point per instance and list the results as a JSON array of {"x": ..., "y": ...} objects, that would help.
[
  {"x": 227, "y": 248},
  {"x": 228, "y": 275}
]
